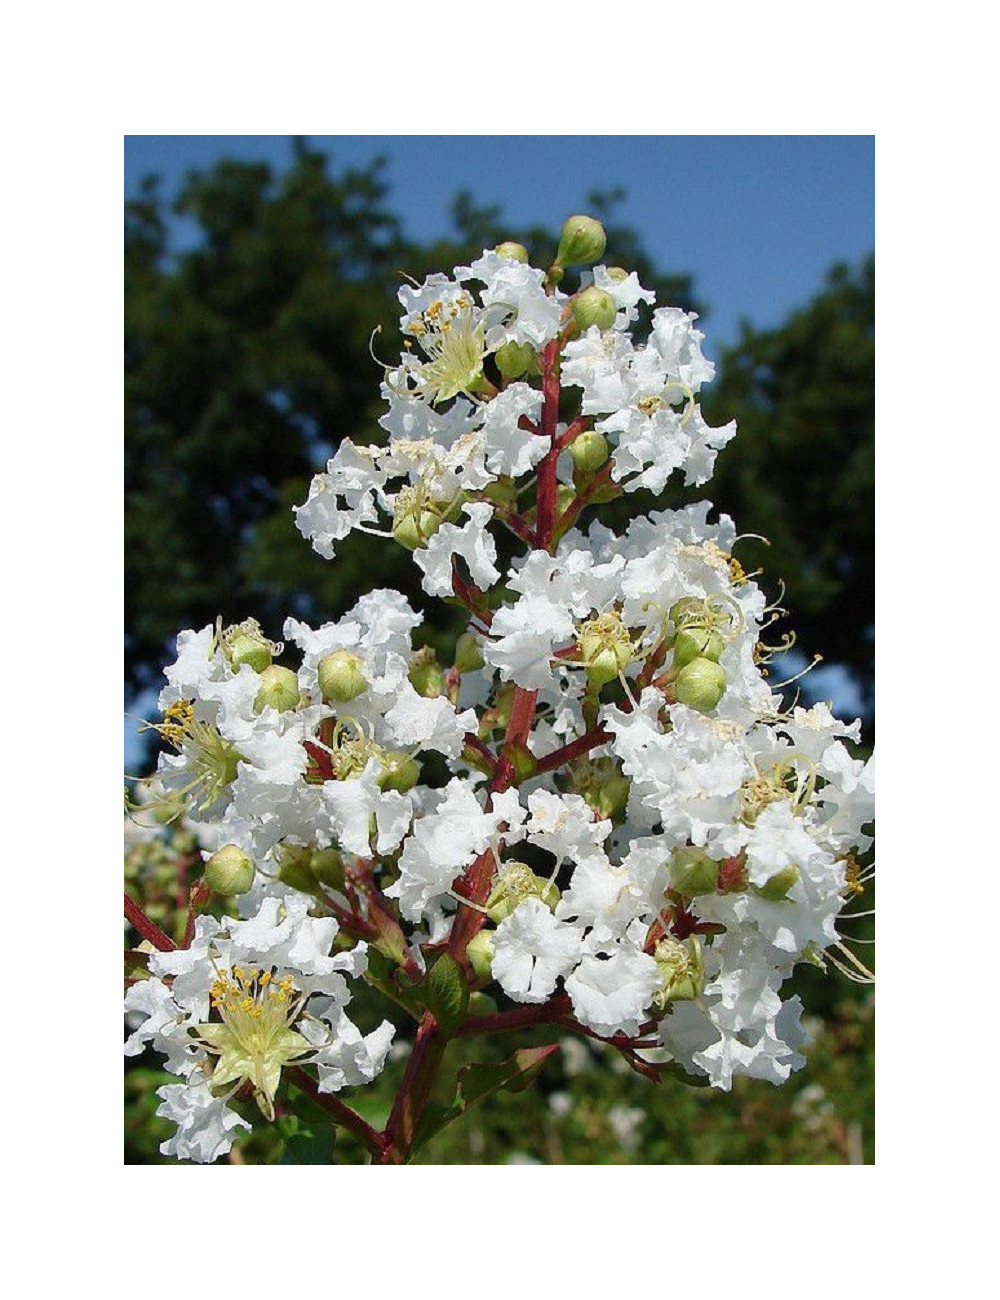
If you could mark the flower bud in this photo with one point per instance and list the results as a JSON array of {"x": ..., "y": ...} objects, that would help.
[
  {"x": 581, "y": 241},
  {"x": 522, "y": 760},
  {"x": 340, "y": 676},
  {"x": 601, "y": 783},
  {"x": 514, "y": 883},
  {"x": 468, "y": 655},
  {"x": 328, "y": 867},
  {"x": 593, "y": 306},
  {"x": 509, "y": 249},
  {"x": 414, "y": 528},
  {"x": 700, "y": 685},
  {"x": 693, "y": 642},
  {"x": 687, "y": 611},
  {"x": 229, "y": 871},
  {"x": 776, "y": 889},
  {"x": 249, "y": 647},
  {"x": 514, "y": 359},
  {"x": 426, "y": 674},
  {"x": 397, "y": 771},
  {"x": 480, "y": 954},
  {"x": 605, "y": 648},
  {"x": 294, "y": 867},
  {"x": 279, "y": 689},
  {"x": 693, "y": 872},
  {"x": 589, "y": 451}
]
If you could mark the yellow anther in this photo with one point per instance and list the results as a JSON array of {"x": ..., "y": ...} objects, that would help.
[{"x": 852, "y": 882}]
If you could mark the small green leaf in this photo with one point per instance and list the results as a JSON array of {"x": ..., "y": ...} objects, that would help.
[
  {"x": 445, "y": 993},
  {"x": 514, "y": 1074}
]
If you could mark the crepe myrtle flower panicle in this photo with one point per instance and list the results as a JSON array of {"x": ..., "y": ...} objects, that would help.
[{"x": 595, "y": 803}]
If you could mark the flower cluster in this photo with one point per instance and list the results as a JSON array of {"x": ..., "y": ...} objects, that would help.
[{"x": 632, "y": 834}]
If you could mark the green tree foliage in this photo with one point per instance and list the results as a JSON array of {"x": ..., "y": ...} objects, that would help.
[{"x": 802, "y": 470}]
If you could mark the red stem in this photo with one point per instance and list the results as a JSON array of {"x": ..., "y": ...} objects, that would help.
[
  {"x": 520, "y": 1018},
  {"x": 413, "y": 1094},
  {"x": 546, "y": 508},
  {"x": 147, "y": 928},
  {"x": 576, "y": 748}
]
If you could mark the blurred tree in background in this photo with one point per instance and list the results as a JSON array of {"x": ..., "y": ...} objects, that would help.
[{"x": 247, "y": 359}]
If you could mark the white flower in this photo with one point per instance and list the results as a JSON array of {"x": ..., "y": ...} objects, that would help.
[
  {"x": 611, "y": 990},
  {"x": 531, "y": 949},
  {"x": 245, "y": 1000},
  {"x": 471, "y": 541}
]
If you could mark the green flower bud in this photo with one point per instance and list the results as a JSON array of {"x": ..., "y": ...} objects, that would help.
[
  {"x": 514, "y": 359},
  {"x": 340, "y": 676},
  {"x": 480, "y": 954},
  {"x": 776, "y": 889},
  {"x": 522, "y": 760},
  {"x": 294, "y": 867},
  {"x": 413, "y": 529},
  {"x": 700, "y": 685},
  {"x": 516, "y": 252},
  {"x": 229, "y": 871},
  {"x": 589, "y": 451},
  {"x": 397, "y": 771},
  {"x": 581, "y": 242},
  {"x": 279, "y": 689},
  {"x": 505, "y": 702},
  {"x": 687, "y": 611},
  {"x": 601, "y": 783},
  {"x": 328, "y": 867},
  {"x": 468, "y": 655},
  {"x": 605, "y": 648},
  {"x": 693, "y": 872},
  {"x": 696, "y": 641},
  {"x": 247, "y": 647},
  {"x": 514, "y": 883},
  {"x": 426, "y": 674},
  {"x": 593, "y": 306}
]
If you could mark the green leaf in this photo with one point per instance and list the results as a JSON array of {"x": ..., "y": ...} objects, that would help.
[
  {"x": 445, "y": 993},
  {"x": 514, "y": 1074}
]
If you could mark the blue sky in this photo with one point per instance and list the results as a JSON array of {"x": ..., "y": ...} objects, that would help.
[{"x": 756, "y": 219}]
